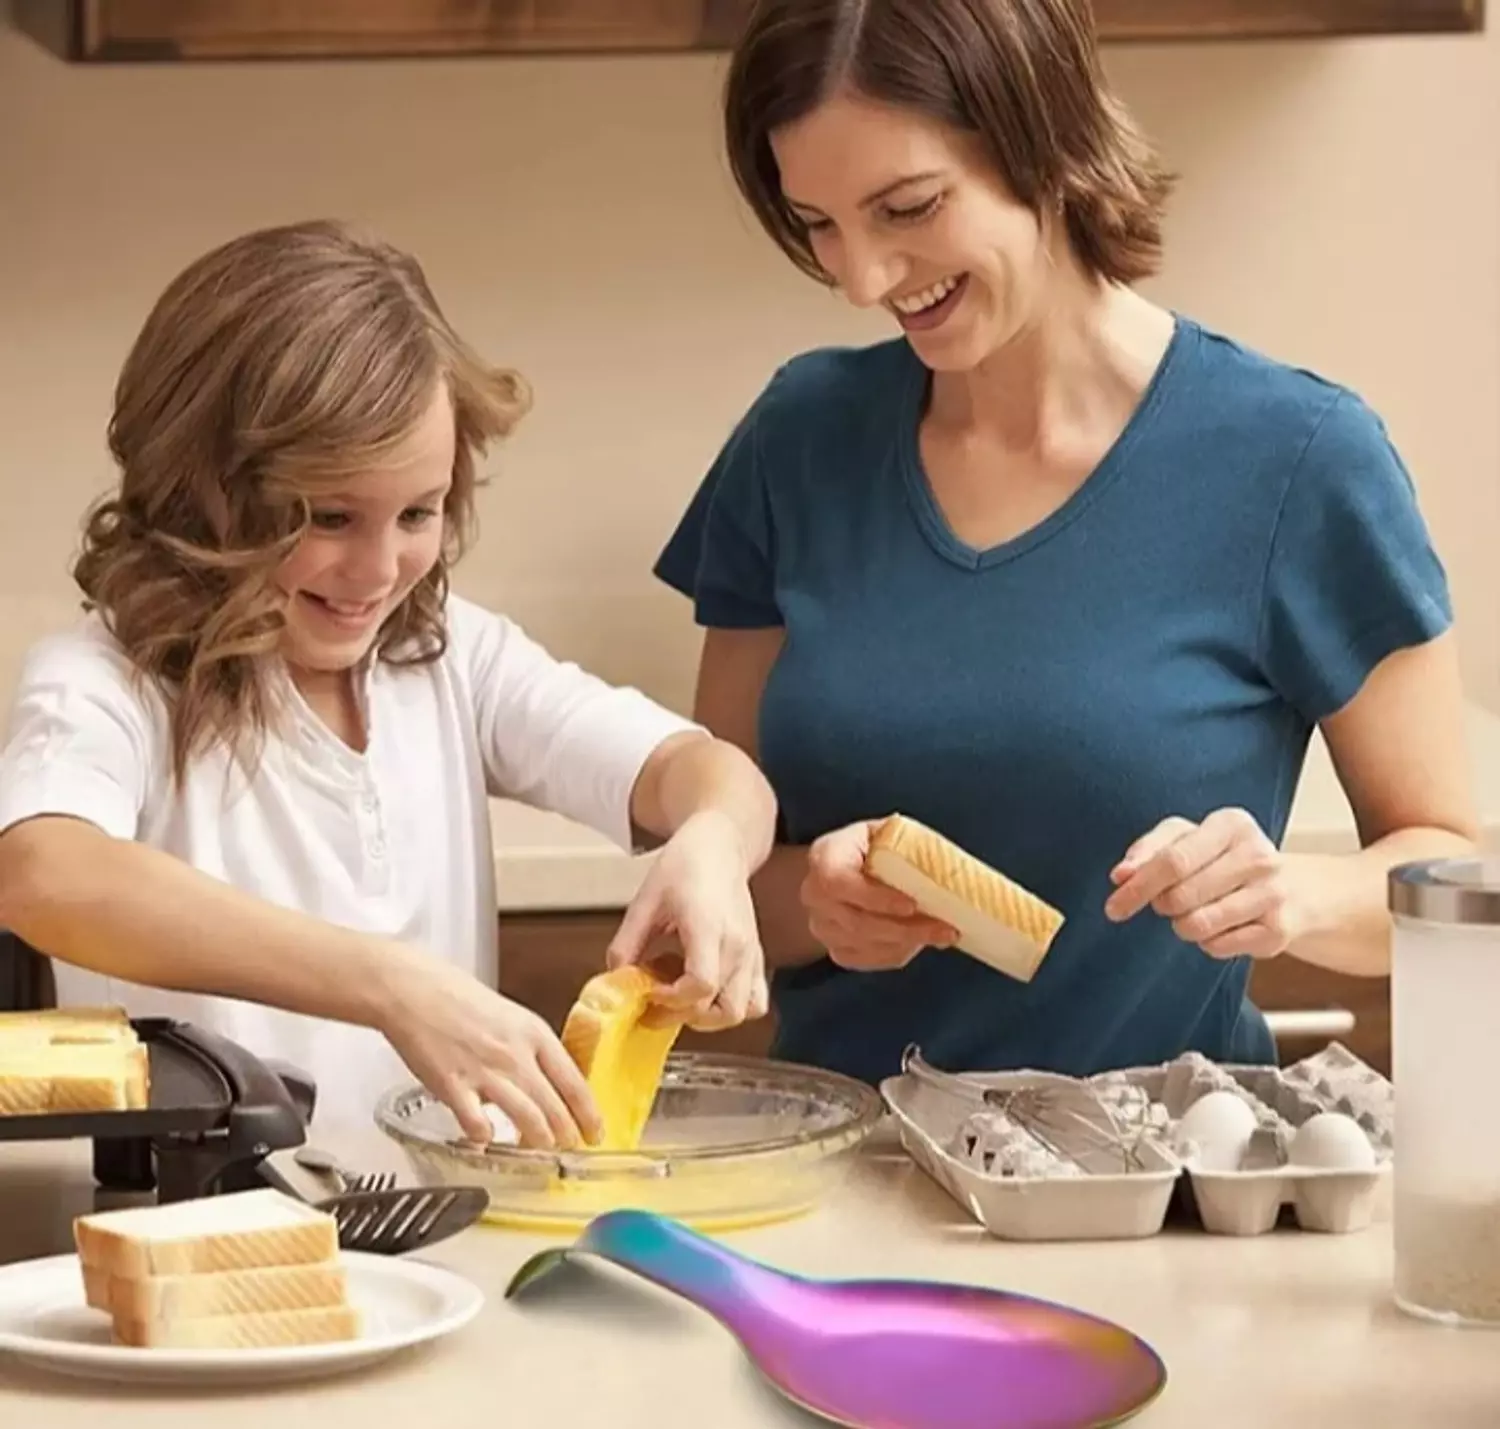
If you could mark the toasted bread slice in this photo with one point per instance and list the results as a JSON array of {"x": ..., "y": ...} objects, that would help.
[
  {"x": 38, "y": 1077},
  {"x": 224, "y": 1292},
  {"x": 274, "y": 1328},
  {"x": 241, "y": 1230},
  {"x": 621, "y": 1056},
  {"x": 29, "y": 1093},
  {"x": 69, "y": 1024},
  {"x": 999, "y": 922}
]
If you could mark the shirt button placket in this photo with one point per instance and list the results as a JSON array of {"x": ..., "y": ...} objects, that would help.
[{"x": 373, "y": 841}]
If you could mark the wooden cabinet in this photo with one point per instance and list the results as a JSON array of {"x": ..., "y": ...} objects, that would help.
[
  {"x": 545, "y": 958},
  {"x": 1286, "y": 985},
  {"x": 1265, "y": 19},
  {"x": 102, "y": 31}
]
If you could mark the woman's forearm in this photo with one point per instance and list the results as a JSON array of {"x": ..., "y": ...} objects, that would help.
[
  {"x": 132, "y": 912},
  {"x": 1348, "y": 925}
]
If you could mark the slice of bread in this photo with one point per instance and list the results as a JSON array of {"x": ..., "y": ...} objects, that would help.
[
  {"x": 620, "y": 1052},
  {"x": 241, "y": 1230},
  {"x": 273, "y": 1329},
  {"x": 69, "y": 1024},
  {"x": 223, "y": 1292},
  {"x": 80, "y": 1059},
  {"x": 997, "y": 921}
]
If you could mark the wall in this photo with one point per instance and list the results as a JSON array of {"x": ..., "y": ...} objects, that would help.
[{"x": 1339, "y": 207}]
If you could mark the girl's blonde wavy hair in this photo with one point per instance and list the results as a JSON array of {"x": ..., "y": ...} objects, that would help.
[{"x": 273, "y": 369}]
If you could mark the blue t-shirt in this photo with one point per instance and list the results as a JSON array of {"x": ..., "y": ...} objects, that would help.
[{"x": 1164, "y": 643}]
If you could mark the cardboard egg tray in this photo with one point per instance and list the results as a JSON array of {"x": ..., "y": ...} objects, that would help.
[{"x": 1039, "y": 1156}]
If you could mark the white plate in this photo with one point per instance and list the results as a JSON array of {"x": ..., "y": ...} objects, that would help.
[{"x": 45, "y": 1321}]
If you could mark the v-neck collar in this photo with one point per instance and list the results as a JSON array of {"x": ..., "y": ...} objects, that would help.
[{"x": 929, "y": 514}]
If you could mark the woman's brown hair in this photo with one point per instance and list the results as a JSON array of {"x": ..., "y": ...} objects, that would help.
[
  {"x": 1021, "y": 75},
  {"x": 278, "y": 366}
]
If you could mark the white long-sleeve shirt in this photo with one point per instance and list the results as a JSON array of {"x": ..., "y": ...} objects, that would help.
[{"x": 395, "y": 840}]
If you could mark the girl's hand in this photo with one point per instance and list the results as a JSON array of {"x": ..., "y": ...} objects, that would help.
[
  {"x": 698, "y": 893},
  {"x": 469, "y": 1046}
]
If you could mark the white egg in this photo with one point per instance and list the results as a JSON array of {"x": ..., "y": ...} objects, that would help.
[
  {"x": 1333, "y": 1142},
  {"x": 1216, "y": 1130}
]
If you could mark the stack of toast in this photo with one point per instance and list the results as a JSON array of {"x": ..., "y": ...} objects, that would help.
[
  {"x": 70, "y": 1060},
  {"x": 245, "y": 1270}
]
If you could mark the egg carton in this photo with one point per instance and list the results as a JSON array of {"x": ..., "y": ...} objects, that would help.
[
  {"x": 1039, "y": 1156},
  {"x": 1076, "y": 1188}
]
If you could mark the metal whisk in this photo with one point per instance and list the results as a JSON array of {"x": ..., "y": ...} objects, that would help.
[
  {"x": 1074, "y": 1124},
  {"x": 1069, "y": 1119}
]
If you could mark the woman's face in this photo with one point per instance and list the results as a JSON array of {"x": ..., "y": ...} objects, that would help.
[
  {"x": 906, "y": 213},
  {"x": 369, "y": 544}
]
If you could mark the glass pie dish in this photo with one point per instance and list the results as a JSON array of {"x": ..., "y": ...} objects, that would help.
[{"x": 732, "y": 1142}]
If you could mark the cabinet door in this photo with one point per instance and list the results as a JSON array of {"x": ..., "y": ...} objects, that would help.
[
  {"x": 265, "y": 29},
  {"x": 1318, "y": 1002},
  {"x": 134, "y": 30}
]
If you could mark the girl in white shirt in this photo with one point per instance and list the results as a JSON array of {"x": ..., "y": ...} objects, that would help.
[{"x": 249, "y": 788}]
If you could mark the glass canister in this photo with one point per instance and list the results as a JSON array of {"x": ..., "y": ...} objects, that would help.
[{"x": 1445, "y": 1012}]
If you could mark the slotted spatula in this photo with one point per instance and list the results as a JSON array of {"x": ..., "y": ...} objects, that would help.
[
  {"x": 888, "y": 1354},
  {"x": 391, "y": 1220},
  {"x": 404, "y": 1218}
]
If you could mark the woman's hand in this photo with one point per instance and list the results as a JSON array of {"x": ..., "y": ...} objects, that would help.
[
  {"x": 863, "y": 924},
  {"x": 1223, "y": 884},
  {"x": 471, "y": 1047},
  {"x": 698, "y": 893}
]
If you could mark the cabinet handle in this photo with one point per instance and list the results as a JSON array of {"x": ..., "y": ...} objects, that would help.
[{"x": 1312, "y": 1022}]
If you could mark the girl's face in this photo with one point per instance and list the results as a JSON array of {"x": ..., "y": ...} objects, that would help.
[
  {"x": 369, "y": 544},
  {"x": 905, "y": 213}
]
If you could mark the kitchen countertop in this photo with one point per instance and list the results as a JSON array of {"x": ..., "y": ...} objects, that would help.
[
  {"x": 545, "y": 863},
  {"x": 1289, "y": 1330}
]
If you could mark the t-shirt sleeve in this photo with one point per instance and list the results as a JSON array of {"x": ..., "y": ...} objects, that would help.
[
  {"x": 1352, "y": 575},
  {"x": 79, "y": 739},
  {"x": 553, "y": 735},
  {"x": 722, "y": 556}
]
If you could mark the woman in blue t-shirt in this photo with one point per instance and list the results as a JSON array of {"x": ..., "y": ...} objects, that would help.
[{"x": 1060, "y": 573}]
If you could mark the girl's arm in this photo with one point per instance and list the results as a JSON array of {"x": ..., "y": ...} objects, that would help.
[{"x": 128, "y": 911}]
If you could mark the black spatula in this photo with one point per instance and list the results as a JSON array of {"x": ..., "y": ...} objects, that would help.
[
  {"x": 403, "y": 1219},
  {"x": 392, "y": 1220}
]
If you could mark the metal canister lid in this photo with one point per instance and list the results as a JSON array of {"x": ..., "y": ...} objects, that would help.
[{"x": 1447, "y": 890}]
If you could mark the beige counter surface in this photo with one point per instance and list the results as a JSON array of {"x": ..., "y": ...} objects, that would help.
[
  {"x": 1281, "y": 1332},
  {"x": 545, "y": 863}
]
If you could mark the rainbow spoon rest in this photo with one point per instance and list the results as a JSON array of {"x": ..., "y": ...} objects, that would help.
[{"x": 887, "y": 1354}]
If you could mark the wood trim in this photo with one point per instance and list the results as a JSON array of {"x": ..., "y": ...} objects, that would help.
[
  {"x": 1138, "y": 20},
  {"x": 123, "y": 31}
]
